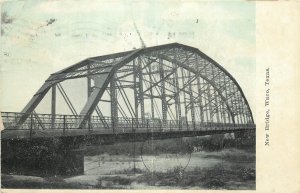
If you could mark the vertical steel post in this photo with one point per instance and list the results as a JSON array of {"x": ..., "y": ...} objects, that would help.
[
  {"x": 205, "y": 101},
  {"x": 223, "y": 108},
  {"x": 151, "y": 92},
  {"x": 231, "y": 91},
  {"x": 135, "y": 91},
  {"x": 200, "y": 99},
  {"x": 89, "y": 82},
  {"x": 242, "y": 109},
  {"x": 177, "y": 98},
  {"x": 220, "y": 110},
  {"x": 244, "y": 118},
  {"x": 140, "y": 93},
  {"x": 113, "y": 103},
  {"x": 89, "y": 90},
  {"x": 210, "y": 104},
  {"x": 217, "y": 107},
  {"x": 199, "y": 90},
  {"x": 237, "y": 107},
  {"x": 192, "y": 102},
  {"x": 215, "y": 97},
  {"x": 53, "y": 106},
  {"x": 163, "y": 93},
  {"x": 184, "y": 99},
  {"x": 226, "y": 96},
  {"x": 221, "y": 104}
]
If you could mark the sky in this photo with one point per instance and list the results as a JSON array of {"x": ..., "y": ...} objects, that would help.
[{"x": 40, "y": 37}]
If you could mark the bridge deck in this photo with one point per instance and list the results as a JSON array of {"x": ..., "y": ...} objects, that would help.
[
  {"x": 46, "y": 126},
  {"x": 24, "y": 133}
]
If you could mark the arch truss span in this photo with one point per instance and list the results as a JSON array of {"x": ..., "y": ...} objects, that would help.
[{"x": 171, "y": 85}]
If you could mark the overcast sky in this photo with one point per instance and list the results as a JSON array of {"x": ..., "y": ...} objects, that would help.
[{"x": 41, "y": 37}]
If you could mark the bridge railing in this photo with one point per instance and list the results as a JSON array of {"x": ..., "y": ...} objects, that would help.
[{"x": 120, "y": 124}]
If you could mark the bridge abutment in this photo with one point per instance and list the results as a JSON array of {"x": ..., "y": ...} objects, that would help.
[{"x": 40, "y": 159}]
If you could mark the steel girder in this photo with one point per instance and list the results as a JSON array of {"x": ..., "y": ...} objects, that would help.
[{"x": 218, "y": 92}]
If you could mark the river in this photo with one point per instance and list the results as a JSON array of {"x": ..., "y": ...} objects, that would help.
[{"x": 226, "y": 169}]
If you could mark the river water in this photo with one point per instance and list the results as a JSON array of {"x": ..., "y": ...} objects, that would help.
[
  {"x": 105, "y": 165},
  {"x": 227, "y": 166}
]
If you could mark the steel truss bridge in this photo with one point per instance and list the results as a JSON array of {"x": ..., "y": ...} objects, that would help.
[{"x": 170, "y": 88}]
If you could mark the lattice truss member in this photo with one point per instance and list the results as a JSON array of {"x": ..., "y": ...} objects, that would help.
[{"x": 168, "y": 83}]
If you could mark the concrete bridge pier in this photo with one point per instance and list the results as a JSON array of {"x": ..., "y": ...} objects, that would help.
[{"x": 40, "y": 159}]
